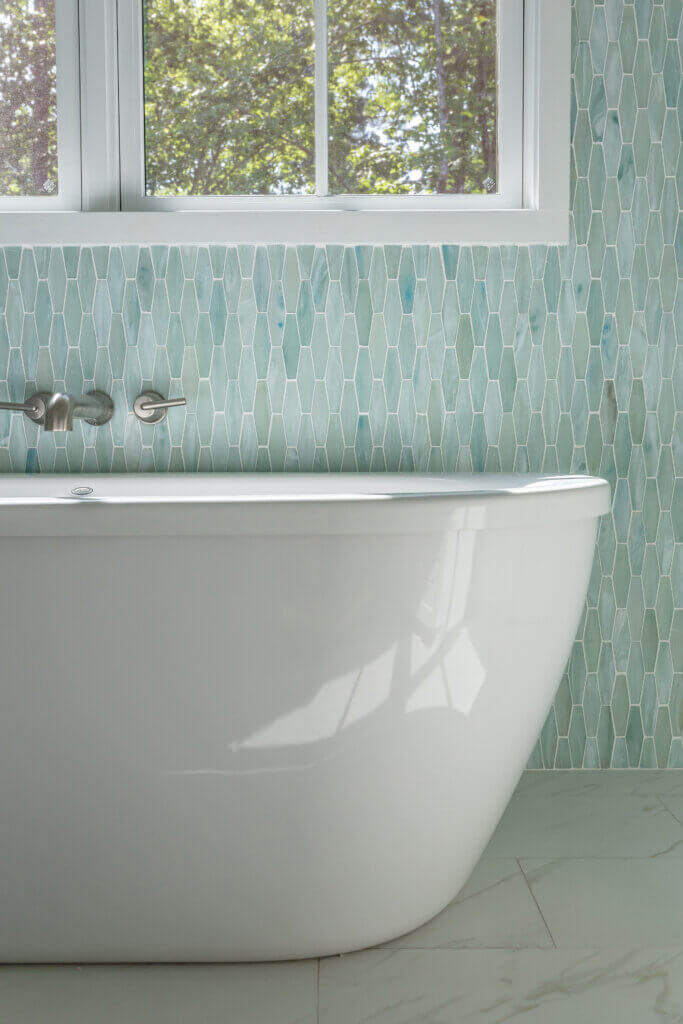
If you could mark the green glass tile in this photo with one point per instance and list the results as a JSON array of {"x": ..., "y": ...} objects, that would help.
[
  {"x": 642, "y": 74},
  {"x": 656, "y": 108},
  {"x": 551, "y": 347},
  {"x": 291, "y": 346},
  {"x": 634, "y": 737},
  {"x": 159, "y": 254},
  {"x": 596, "y": 245},
  {"x": 493, "y": 347},
  {"x": 102, "y": 312},
  {"x": 465, "y": 280},
  {"x": 464, "y": 346},
  {"x": 261, "y": 280},
  {"x": 43, "y": 313},
  {"x": 71, "y": 254},
  {"x": 662, "y": 737},
  {"x": 231, "y": 283},
  {"x": 508, "y": 312},
  {"x": 672, "y": 72},
  {"x": 406, "y": 281},
  {"x": 677, "y": 640},
  {"x": 29, "y": 346},
  {"x": 28, "y": 280},
  {"x": 203, "y": 344},
  {"x": 450, "y": 254},
  {"x": 189, "y": 313},
  {"x": 581, "y": 213},
  {"x": 41, "y": 254},
  {"x": 605, "y": 737},
  {"x": 613, "y": 74},
  {"x": 349, "y": 280},
  {"x": 407, "y": 347},
  {"x": 217, "y": 312},
  {"x": 597, "y": 110},
  {"x": 581, "y": 278},
  {"x": 611, "y": 210},
  {"x": 655, "y": 176},
  {"x": 175, "y": 345},
  {"x": 577, "y": 737},
  {"x": 305, "y": 312},
  {"x": 277, "y": 374},
  {"x": 479, "y": 312},
  {"x": 478, "y": 379},
  {"x": 549, "y": 740},
  {"x": 218, "y": 379},
  {"x": 132, "y": 375},
  {"x": 72, "y": 313},
  {"x": 87, "y": 346},
  {"x": 144, "y": 279},
  {"x": 640, "y": 211}
]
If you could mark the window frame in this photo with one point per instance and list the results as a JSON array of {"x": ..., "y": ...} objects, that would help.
[{"x": 534, "y": 209}]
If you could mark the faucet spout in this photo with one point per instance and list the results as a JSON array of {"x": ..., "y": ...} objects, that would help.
[
  {"x": 59, "y": 413},
  {"x": 95, "y": 408}
]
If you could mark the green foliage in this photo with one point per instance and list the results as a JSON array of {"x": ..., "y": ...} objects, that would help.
[
  {"x": 229, "y": 96},
  {"x": 28, "y": 97},
  {"x": 412, "y": 96}
]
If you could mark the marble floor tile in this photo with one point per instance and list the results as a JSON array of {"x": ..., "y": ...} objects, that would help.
[
  {"x": 607, "y": 903},
  {"x": 674, "y": 802},
  {"x": 170, "y": 994},
  {"x": 595, "y": 816},
  {"x": 502, "y": 986},
  {"x": 495, "y": 910},
  {"x": 605, "y": 783}
]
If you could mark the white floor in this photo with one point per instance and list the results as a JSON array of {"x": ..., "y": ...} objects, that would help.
[{"x": 574, "y": 915}]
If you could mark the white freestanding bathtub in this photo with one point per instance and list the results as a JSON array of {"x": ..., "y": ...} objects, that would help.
[{"x": 262, "y": 717}]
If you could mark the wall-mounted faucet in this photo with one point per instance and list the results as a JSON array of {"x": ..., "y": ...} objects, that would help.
[{"x": 57, "y": 411}]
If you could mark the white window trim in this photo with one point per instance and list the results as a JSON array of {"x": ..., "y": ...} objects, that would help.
[{"x": 540, "y": 217}]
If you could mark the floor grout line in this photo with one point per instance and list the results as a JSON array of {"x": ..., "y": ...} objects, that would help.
[
  {"x": 317, "y": 991},
  {"x": 531, "y": 892},
  {"x": 667, "y": 808}
]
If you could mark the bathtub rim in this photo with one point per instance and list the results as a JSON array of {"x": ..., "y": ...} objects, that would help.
[{"x": 178, "y": 504}]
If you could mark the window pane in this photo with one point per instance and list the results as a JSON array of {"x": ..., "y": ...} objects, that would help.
[
  {"x": 28, "y": 98},
  {"x": 412, "y": 96},
  {"x": 229, "y": 104}
]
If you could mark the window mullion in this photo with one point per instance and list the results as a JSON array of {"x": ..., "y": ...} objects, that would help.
[
  {"x": 99, "y": 106},
  {"x": 320, "y": 93}
]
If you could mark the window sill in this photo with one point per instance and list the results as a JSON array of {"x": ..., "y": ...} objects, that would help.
[{"x": 458, "y": 227}]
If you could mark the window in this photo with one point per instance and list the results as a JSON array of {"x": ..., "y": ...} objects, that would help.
[
  {"x": 39, "y": 136},
  {"x": 285, "y": 120}
]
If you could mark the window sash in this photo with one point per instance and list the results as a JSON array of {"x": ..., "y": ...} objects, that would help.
[
  {"x": 68, "y": 196},
  {"x": 510, "y": 26}
]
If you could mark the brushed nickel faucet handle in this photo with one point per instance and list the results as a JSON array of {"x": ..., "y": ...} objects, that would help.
[
  {"x": 34, "y": 407},
  {"x": 150, "y": 406}
]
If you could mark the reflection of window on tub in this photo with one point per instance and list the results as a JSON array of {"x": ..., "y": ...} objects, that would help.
[{"x": 453, "y": 113}]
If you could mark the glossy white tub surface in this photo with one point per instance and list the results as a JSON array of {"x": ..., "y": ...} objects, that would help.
[{"x": 263, "y": 716}]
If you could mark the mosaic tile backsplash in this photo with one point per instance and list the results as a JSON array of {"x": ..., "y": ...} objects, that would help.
[{"x": 548, "y": 359}]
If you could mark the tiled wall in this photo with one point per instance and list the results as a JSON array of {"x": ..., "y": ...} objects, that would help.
[{"x": 555, "y": 359}]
